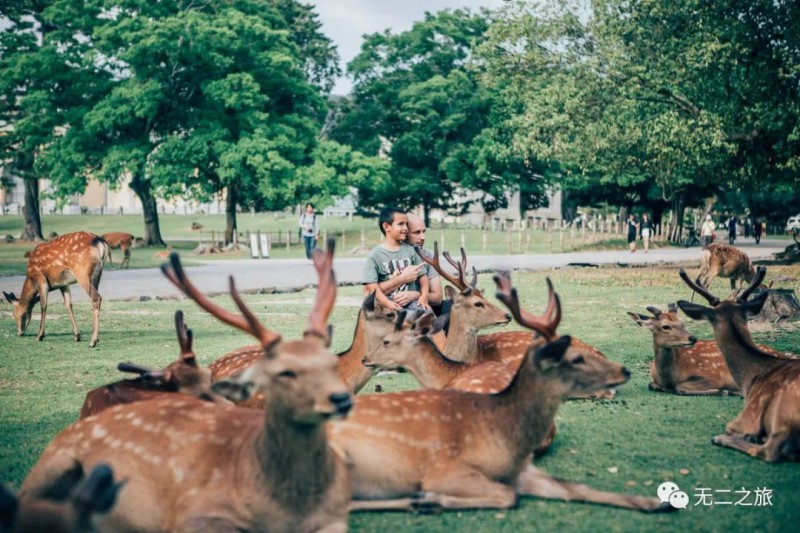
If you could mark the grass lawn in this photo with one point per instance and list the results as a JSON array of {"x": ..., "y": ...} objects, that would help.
[{"x": 632, "y": 443}]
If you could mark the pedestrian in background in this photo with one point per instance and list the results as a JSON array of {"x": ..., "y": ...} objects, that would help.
[
  {"x": 732, "y": 229},
  {"x": 647, "y": 231},
  {"x": 757, "y": 231},
  {"x": 707, "y": 232},
  {"x": 633, "y": 229},
  {"x": 309, "y": 228}
]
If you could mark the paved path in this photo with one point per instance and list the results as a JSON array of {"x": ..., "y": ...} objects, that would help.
[{"x": 255, "y": 274}]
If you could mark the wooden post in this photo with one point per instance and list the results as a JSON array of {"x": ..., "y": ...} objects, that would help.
[
  {"x": 528, "y": 239},
  {"x": 324, "y": 238},
  {"x": 344, "y": 239},
  {"x": 463, "y": 240},
  {"x": 441, "y": 240},
  {"x": 550, "y": 239},
  {"x": 508, "y": 238},
  {"x": 583, "y": 232},
  {"x": 484, "y": 239},
  {"x": 594, "y": 231},
  {"x": 561, "y": 236},
  {"x": 363, "y": 242},
  {"x": 519, "y": 237}
]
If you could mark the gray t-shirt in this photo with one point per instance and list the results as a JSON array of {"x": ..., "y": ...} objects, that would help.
[{"x": 383, "y": 263}]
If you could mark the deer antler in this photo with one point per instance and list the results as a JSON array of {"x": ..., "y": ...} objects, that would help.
[
  {"x": 184, "y": 337},
  {"x": 461, "y": 268},
  {"x": 761, "y": 272},
  {"x": 434, "y": 262},
  {"x": 247, "y": 323},
  {"x": 133, "y": 368},
  {"x": 545, "y": 324},
  {"x": 698, "y": 288},
  {"x": 326, "y": 292},
  {"x": 655, "y": 311},
  {"x": 400, "y": 319}
]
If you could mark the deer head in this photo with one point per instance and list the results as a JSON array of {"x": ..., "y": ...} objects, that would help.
[
  {"x": 734, "y": 310},
  {"x": 668, "y": 329},
  {"x": 399, "y": 346},
  {"x": 299, "y": 377},
  {"x": 22, "y": 311}
]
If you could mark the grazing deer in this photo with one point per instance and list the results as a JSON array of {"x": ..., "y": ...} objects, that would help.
[
  {"x": 123, "y": 241},
  {"x": 88, "y": 498},
  {"x": 372, "y": 325},
  {"x": 198, "y": 466},
  {"x": 72, "y": 258},
  {"x": 768, "y": 427},
  {"x": 465, "y": 450},
  {"x": 411, "y": 348},
  {"x": 184, "y": 376},
  {"x": 471, "y": 311},
  {"x": 721, "y": 260}
]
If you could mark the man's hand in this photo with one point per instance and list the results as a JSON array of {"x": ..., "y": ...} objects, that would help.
[
  {"x": 410, "y": 273},
  {"x": 423, "y": 301},
  {"x": 403, "y": 298}
]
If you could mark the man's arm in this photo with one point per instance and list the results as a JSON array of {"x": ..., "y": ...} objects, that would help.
[
  {"x": 408, "y": 275},
  {"x": 380, "y": 296},
  {"x": 435, "y": 290},
  {"x": 424, "y": 289}
]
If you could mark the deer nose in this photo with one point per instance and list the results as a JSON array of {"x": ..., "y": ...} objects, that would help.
[
  {"x": 342, "y": 401},
  {"x": 626, "y": 372},
  {"x": 692, "y": 339}
]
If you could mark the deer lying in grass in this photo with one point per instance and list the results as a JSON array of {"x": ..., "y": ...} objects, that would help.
[
  {"x": 768, "y": 427},
  {"x": 471, "y": 312},
  {"x": 184, "y": 376},
  {"x": 88, "y": 499},
  {"x": 123, "y": 241},
  {"x": 721, "y": 260},
  {"x": 72, "y": 258},
  {"x": 197, "y": 466},
  {"x": 372, "y": 325},
  {"x": 465, "y": 450},
  {"x": 411, "y": 348}
]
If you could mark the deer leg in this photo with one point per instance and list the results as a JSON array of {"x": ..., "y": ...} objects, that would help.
[
  {"x": 743, "y": 444},
  {"x": 469, "y": 489},
  {"x": 697, "y": 388},
  {"x": 653, "y": 386},
  {"x": 532, "y": 482},
  {"x": 43, "y": 303},
  {"x": 127, "y": 259},
  {"x": 68, "y": 303},
  {"x": 399, "y": 504},
  {"x": 96, "y": 299}
]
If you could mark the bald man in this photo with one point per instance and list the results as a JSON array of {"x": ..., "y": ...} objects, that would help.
[{"x": 416, "y": 237}]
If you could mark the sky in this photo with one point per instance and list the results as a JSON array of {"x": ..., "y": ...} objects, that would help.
[{"x": 346, "y": 21}]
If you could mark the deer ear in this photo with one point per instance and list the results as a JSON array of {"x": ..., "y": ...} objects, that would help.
[
  {"x": 754, "y": 305},
  {"x": 369, "y": 303},
  {"x": 10, "y": 298},
  {"x": 642, "y": 320},
  {"x": 551, "y": 354},
  {"x": 234, "y": 390},
  {"x": 696, "y": 311},
  {"x": 424, "y": 325},
  {"x": 440, "y": 323},
  {"x": 98, "y": 492}
]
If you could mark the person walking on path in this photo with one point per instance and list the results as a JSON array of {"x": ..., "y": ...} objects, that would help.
[
  {"x": 647, "y": 231},
  {"x": 707, "y": 232},
  {"x": 732, "y": 229},
  {"x": 757, "y": 231},
  {"x": 310, "y": 229},
  {"x": 633, "y": 229}
]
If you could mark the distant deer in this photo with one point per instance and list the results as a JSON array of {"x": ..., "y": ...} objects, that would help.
[
  {"x": 88, "y": 499},
  {"x": 721, "y": 260},
  {"x": 411, "y": 348},
  {"x": 465, "y": 450},
  {"x": 123, "y": 241},
  {"x": 184, "y": 376},
  {"x": 197, "y": 466},
  {"x": 768, "y": 427},
  {"x": 471, "y": 312},
  {"x": 72, "y": 258}
]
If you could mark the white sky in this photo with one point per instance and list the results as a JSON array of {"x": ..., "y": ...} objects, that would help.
[{"x": 346, "y": 21}]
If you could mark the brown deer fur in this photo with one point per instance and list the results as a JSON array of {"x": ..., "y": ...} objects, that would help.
[
  {"x": 465, "y": 450},
  {"x": 123, "y": 241},
  {"x": 183, "y": 376},
  {"x": 71, "y": 258},
  {"x": 768, "y": 427},
  {"x": 197, "y": 466},
  {"x": 721, "y": 260}
]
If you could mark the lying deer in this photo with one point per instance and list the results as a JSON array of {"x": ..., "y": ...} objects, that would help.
[
  {"x": 466, "y": 450},
  {"x": 372, "y": 325},
  {"x": 72, "y": 258},
  {"x": 123, "y": 241},
  {"x": 88, "y": 499},
  {"x": 721, "y": 260},
  {"x": 411, "y": 347},
  {"x": 198, "y": 466},
  {"x": 184, "y": 376},
  {"x": 768, "y": 427},
  {"x": 471, "y": 312}
]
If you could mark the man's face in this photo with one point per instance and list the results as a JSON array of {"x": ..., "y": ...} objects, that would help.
[
  {"x": 398, "y": 229},
  {"x": 416, "y": 233},
  {"x": 309, "y": 209}
]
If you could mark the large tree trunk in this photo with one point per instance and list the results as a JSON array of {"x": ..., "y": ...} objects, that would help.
[
  {"x": 678, "y": 207},
  {"x": 152, "y": 231},
  {"x": 33, "y": 222},
  {"x": 230, "y": 215},
  {"x": 426, "y": 213}
]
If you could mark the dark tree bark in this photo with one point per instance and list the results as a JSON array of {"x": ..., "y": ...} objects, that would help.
[
  {"x": 230, "y": 215},
  {"x": 152, "y": 230},
  {"x": 33, "y": 222}
]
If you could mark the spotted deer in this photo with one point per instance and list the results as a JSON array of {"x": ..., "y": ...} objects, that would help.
[
  {"x": 460, "y": 450},
  {"x": 721, "y": 260},
  {"x": 198, "y": 466},
  {"x": 123, "y": 241},
  {"x": 471, "y": 312},
  {"x": 372, "y": 324},
  {"x": 768, "y": 427},
  {"x": 71, "y": 258},
  {"x": 183, "y": 376},
  {"x": 88, "y": 499},
  {"x": 411, "y": 348}
]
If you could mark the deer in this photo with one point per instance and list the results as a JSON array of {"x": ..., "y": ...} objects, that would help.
[
  {"x": 768, "y": 427},
  {"x": 123, "y": 241},
  {"x": 71, "y": 258},
  {"x": 450, "y": 449},
  {"x": 471, "y": 311},
  {"x": 372, "y": 324},
  {"x": 411, "y": 347},
  {"x": 199, "y": 466},
  {"x": 88, "y": 499},
  {"x": 721, "y": 260},
  {"x": 183, "y": 376}
]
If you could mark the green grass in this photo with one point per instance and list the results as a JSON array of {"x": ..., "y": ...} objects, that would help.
[{"x": 648, "y": 437}]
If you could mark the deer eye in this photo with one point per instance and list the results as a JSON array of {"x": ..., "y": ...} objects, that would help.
[
  {"x": 578, "y": 360},
  {"x": 287, "y": 374},
  {"x": 389, "y": 315},
  {"x": 478, "y": 304},
  {"x": 666, "y": 328},
  {"x": 385, "y": 342}
]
